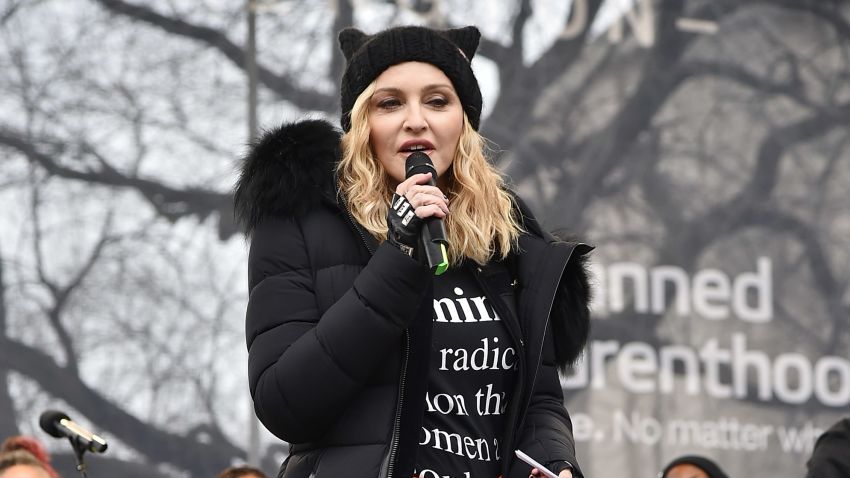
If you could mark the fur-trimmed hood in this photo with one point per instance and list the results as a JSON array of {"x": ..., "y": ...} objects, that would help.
[{"x": 287, "y": 171}]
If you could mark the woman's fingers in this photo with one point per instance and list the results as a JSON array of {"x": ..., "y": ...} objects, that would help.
[
  {"x": 428, "y": 211},
  {"x": 417, "y": 182},
  {"x": 404, "y": 186},
  {"x": 426, "y": 200},
  {"x": 535, "y": 473},
  {"x": 422, "y": 198}
]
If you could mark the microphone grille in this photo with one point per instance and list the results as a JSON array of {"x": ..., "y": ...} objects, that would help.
[
  {"x": 48, "y": 421},
  {"x": 419, "y": 162}
]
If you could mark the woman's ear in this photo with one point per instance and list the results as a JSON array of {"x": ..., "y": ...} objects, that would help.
[{"x": 350, "y": 40}]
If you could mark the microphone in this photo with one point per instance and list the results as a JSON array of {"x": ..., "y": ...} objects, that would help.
[
  {"x": 434, "y": 231},
  {"x": 58, "y": 424}
]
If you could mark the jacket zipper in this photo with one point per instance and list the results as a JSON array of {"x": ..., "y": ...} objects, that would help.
[
  {"x": 394, "y": 441},
  {"x": 518, "y": 340},
  {"x": 545, "y": 328},
  {"x": 359, "y": 231},
  {"x": 497, "y": 305},
  {"x": 399, "y": 402}
]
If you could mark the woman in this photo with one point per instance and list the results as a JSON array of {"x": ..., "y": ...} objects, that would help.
[
  {"x": 24, "y": 457},
  {"x": 361, "y": 358}
]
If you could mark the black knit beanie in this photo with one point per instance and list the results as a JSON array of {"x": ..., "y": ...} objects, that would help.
[
  {"x": 709, "y": 467},
  {"x": 368, "y": 56}
]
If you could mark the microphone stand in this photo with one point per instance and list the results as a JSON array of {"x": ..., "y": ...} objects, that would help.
[{"x": 79, "y": 450}]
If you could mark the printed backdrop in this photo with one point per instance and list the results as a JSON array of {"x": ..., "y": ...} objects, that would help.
[{"x": 702, "y": 146}]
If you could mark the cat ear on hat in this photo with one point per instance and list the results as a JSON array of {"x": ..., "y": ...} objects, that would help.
[
  {"x": 466, "y": 39},
  {"x": 350, "y": 40}
]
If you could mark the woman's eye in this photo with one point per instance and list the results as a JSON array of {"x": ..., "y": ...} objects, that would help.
[
  {"x": 438, "y": 101},
  {"x": 388, "y": 103}
]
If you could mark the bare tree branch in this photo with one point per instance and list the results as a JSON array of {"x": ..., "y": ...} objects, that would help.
[
  {"x": 8, "y": 424},
  {"x": 601, "y": 153},
  {"x": 743, "y": 208},
  {"x": 765, "y": 176},
  {"x": 537, "y": 153},
  {"x": 792, "y": 88},
  {"x": 344, "y": 18},
  {"x": 493, "y": 50},
  {"x": 826, "y": 285},
  {"x": 831, "y": 15},
  {"x": 518, "y": 27},
  {"x": 280, "y": 84},
  {"x": 687, "y": 239},
  {"x": 54, "y": 310},
  {"x": 509, "y": 121},
  {"x": 10, "y": 11},
  {"x": 170, "y": 203}
]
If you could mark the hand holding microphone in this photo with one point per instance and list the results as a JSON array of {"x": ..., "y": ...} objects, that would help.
[{"x": 418, "y": 200}]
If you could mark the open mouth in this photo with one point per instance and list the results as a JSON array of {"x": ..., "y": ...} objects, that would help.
[{"x": 414, "y": 146}]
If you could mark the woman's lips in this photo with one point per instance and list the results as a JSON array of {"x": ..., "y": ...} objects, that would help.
[{"x": 416, "y": 145}]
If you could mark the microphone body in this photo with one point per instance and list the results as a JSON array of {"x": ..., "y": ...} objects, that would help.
[
  {"x": 57, "y": 424},
  {"x": 433, "y": 235}
]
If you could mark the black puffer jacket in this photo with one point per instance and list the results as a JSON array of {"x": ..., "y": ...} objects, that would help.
[{"x": 338, "y": 326}]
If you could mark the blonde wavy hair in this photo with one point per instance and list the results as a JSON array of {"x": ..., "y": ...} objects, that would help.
[{"x": 482, "y": 224}]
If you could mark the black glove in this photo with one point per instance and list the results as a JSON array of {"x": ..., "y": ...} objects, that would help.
[{"x": 403, "y": 225}]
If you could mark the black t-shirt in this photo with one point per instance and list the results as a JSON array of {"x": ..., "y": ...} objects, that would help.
[{"x": 472, "y": 373}]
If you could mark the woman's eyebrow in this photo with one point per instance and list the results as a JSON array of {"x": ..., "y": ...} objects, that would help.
[
  {"x": 388, "y": 89},
  {"x": 395, "y": 90},
  {"x": 435, "y": 86}
]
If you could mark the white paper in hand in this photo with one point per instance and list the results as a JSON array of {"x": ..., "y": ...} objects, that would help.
[{"x": 522, "y": 456}]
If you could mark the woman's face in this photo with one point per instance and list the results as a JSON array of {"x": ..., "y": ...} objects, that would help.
[
  {"x": 686, "y": 471},
  {"x": 23, "y": 471},
  {"x": 414, "y": 107}
]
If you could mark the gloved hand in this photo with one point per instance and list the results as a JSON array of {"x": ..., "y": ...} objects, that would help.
[{"x": 403, "y": 225}]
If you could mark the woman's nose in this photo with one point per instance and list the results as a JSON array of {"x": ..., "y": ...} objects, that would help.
[{"x": 415, "y": 119}]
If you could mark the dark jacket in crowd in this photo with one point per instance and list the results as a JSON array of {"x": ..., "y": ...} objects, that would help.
[
  {"x": 831, "y": 455},
  {"x": 338, "y": 327}
]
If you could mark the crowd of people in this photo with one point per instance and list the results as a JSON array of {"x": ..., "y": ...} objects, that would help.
[{"x": 26, "y": 457}]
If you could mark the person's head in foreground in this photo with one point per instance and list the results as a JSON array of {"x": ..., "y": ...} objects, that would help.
[
  {"x": 24, "y": 457},
  {"x": 243, "y": 471},
  {"x": 693, "y": 466},
  {"x": 21, "y": 464}
]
